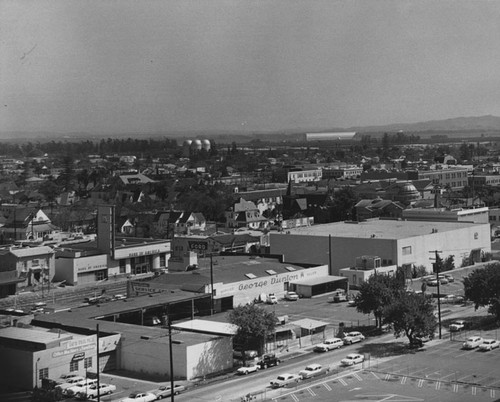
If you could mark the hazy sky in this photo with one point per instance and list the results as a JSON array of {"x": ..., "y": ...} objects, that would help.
[{"x": 126, "y": 66}]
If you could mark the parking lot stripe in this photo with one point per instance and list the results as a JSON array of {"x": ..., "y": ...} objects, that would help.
[
  {"x": 492, "y": 393},
  {"x": 342, "y": 381},
  {"x": 474, "y": 390},
  {"x": 357, "y": 376},
  {"x": 403, "y": 380},
  {"x": 327, "y": 386},
  {"x": 295, "y": 397},
  {"x": 455, "y": 387},
  {"x": 420, "y": 383},
  {"x": 311, "y": 392},
  {"x": 438, "y": 385}
]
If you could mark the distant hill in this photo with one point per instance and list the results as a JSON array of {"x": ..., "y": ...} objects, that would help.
[
  {"x": 456, "y": 127},
  {"x": 474, "y": 123}
]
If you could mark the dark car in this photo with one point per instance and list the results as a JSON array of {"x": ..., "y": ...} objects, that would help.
[{"x": 268, "y": 360}]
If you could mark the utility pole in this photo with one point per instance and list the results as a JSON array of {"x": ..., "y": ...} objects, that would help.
[
  {"x": 211, "y": 287},
  {"x": 97, "y": 356},
  {"x": 436, "y": 268},
  {"x": 169, "y": 325}
]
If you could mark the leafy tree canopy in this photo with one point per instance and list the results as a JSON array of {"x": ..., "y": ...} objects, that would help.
[
  {"x": 254, "y": 325},
  {"x": 482, "y": 287},
  {"x": 412, "y": 315},
  {"x": 377, "y": 292}
]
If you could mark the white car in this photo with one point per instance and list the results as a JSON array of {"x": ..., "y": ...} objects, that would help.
[
  {"x": 79, "y": 387},
  {"x": 104, "y": 389},
  {"x": 139, "y": 396},
  {"x": 249, "y": 368},
  {"x": 311, "y": 370},
  {"x": 457, "y": 325},
  {"x": 353, "y": 358},
  {"x": 292, "y": 296},
  {"x": 472, "y": 342},
  {"x": 69, "y": 382},
  {"x": 353, "y": 337},
  {"x": 285, "y": 379},
  {"x": 329, "y": 344},
  {"x": 165, "y": 391},
  {"x": 489, "y": 344}
]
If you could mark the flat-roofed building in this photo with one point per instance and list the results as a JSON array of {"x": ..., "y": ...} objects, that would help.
[{"x": 396, "y": 242}]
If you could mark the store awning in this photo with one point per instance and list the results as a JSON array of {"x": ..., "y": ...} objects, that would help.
[{"x": 309, "y": 324}]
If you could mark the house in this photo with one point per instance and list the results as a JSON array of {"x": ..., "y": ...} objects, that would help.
[
  {"x": 366, "y": 209},
  {"x": 179, "y": 222},
  {"x": 23, "y": 267},
  {"x": 26, "y": 224},
  {"x": 245, "y": 214}
]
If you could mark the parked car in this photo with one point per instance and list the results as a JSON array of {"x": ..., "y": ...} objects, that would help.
[
  {"x": 166, "y": 391},
  {"x": 69, "y": 382},
  {"x": 351, "y": 359},
  {"x": 248, "y": 368},
  {"x": 139, "y": 396},
  {"x": 285, "y": 379},
  {"x": 249, "y": 354},
  {"x": 91, "y": 392},
  {"x": 66, "y": 377},
  {"x": 79, "y": 387},
  {"x": 432, "y": 282},
  {"x": 338, "y": 295},
  {"x": 329, "y": 344},
  {"x": 449, "y": 277},
  {"x": 353, "y": 337},
  {"x": 457, "y": 325},
  {"x": 292, "y": 296},
  {"x": 271, "y": 299},
  {"x": 472, "y": 342},
  {"x": 268, "y": 360},
  {"x": 312, "y": 370},
  {"x": 489, "y": 344}
]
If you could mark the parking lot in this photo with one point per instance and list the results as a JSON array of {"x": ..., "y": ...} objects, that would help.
[{"x": 441, "y": 371}]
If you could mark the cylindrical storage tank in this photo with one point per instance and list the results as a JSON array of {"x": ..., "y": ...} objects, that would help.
[
  {"x": 196, "y": 144},
  {"x": 186, "y": 146},
  {"x": 206, "y": 145}
]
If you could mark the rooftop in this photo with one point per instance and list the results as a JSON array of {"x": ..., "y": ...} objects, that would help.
[{"x": 378, "y": 228}]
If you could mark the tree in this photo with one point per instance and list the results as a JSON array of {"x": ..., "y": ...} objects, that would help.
[
  {"x": 377, "y": 292},
  {"x": 411, "y": 314},
  {"x": 254, "y": 323},
  {"x": 482, "y": 287}
]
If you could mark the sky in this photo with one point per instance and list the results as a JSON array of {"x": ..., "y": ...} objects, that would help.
[{"x": 111, "y": 66}]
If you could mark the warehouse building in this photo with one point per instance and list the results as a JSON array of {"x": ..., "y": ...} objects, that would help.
[{"x": 396, "y": 242}]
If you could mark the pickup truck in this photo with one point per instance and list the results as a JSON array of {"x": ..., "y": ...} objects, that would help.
[
  {"x": 285, "y": 379},
  {"x": 268, "y": 360}
]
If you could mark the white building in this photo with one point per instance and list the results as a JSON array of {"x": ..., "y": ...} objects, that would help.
[{"x": 396, "y": 242}]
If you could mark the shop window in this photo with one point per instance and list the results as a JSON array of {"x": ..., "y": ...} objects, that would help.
[
  {"x": 101, "y": 275},
  {"x": 407, "y": 250},
  {"x": 87, "y": 363},
  {"x": 35, "y": 263},
  {"x": 123, "y": 266},
  {"x": 43, "y": 373},
  {"x": 163, "y": 260},
  {"x": 73, "y": 366}
]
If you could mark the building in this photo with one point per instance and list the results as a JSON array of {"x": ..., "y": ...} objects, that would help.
[
  {"x": 334, "y": 136},
  {"x": 396, "y": 242},
  {"x": 365, "y": 267},
  {"x": 35, "y": 353},
  {"x": 23, "y": 268},
  {"x": 348, "y": 172},
  {"x": 26, "y": 224},
  {"x": 471, "y": 214},
  {"x": 109, "y": 256},
  {"x": 304, "y": 175}
]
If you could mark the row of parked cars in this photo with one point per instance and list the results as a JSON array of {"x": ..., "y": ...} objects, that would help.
[
  {"x": 80, "y": 388},
  {"x": 476, "y": 341},
  {"x": 313, "y": 370},
  {"x": 336, "y": 343}
]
